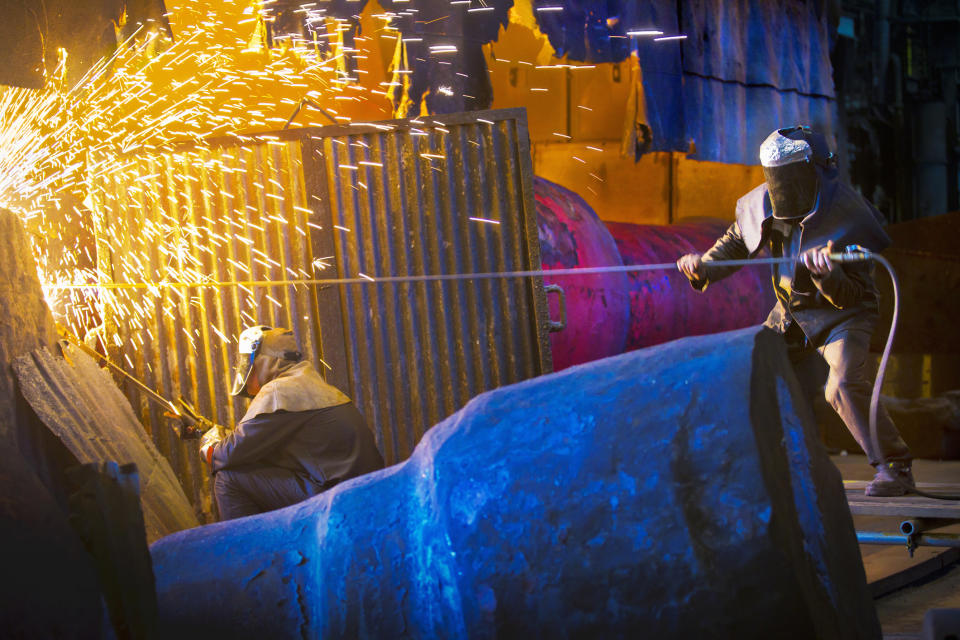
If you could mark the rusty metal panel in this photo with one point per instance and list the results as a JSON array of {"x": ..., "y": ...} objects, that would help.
[
  {"x": 207, "y": 219},
  {"x": 251, "y": 218},
  {"x": 440, "y": 195},
  {"x": 82, "y": 406}
]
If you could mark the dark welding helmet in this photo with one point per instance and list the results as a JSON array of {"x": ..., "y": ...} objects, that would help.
[{"x": 789, "y": 158}]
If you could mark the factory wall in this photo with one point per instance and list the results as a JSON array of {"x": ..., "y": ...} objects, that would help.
[
  {"x": 259, "y": 88},
  {"x": 577, "y": 114},
  {"x": 661, "y": 188}
]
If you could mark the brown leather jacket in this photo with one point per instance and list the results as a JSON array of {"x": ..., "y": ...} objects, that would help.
[{"x": 817, "y": 304}]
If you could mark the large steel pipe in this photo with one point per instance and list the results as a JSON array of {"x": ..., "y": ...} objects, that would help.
[
  {"x": 598, "y": 306},
  {"x": 678, "y": 491},
  {"x": 663, "y": 305},
  {"x": 611, "y": 313}
]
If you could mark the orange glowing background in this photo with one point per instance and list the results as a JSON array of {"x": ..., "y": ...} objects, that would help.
[{"x": 217, "y": 78}]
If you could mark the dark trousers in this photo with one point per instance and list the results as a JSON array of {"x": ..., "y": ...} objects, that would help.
[
  {"x": 846, "y": 351},
  {"x": 252, "y": 490}
]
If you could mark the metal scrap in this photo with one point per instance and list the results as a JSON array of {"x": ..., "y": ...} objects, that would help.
[{"x": 83, "y": 407}]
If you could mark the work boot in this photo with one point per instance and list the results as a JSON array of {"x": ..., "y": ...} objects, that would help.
[{"x": 892, "y": 479}]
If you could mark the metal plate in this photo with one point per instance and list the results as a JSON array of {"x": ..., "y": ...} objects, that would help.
[
  {"x": 402, "y": 197},
  {"x": 82, "y": 406}
]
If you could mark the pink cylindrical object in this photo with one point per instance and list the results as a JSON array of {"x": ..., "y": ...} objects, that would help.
[
  {"x": 598, "y": 305},
  {"x": 663, "y": 305}
]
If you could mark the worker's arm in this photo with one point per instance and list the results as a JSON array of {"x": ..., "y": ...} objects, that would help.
[
  {"x": 843, "y": 285},
  {"x": 254, "y": 438},
  {"x": 700, "y": 272}
]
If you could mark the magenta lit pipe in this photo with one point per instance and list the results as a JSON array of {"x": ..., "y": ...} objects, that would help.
[
  {"x": 598, "y": 305},
  {"x": 663, "y": 305},
  {"x": 610, "y": 313}
]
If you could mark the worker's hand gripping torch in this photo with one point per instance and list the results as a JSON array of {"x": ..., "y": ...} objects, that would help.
[
  {"x": 852, "y": 253},
  {"x": 188, "y": 424},
  {"x": 208, "y": 440}
]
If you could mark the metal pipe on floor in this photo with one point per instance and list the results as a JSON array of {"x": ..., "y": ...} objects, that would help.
[
  {"x": 920, "y": 525},
  {"x": 921, "y": 540}
]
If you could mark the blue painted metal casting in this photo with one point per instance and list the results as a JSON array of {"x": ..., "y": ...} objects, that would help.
[{"x": 679, "y": 490}]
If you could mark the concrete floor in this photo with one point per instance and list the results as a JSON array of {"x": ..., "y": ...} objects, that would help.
[{"x": 901, "y": 612}]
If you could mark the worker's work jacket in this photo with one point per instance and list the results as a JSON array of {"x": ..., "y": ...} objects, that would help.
[
  {"x": 846, "y": 294},
  {"x": 299, "y": 422}
]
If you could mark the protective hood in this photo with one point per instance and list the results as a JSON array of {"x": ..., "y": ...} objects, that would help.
[
  {"x": 838, "y": 212},
  {"x": 291, "y": 386},
  {"x": 788, "y": 157},
  {"x": 841, "y": 215},
  {"x": 259, "y": 341},
  {"x": 792, "y": 189}
]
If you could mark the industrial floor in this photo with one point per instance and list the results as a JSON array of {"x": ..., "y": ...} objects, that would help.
[{"x": 907, "y": 587}]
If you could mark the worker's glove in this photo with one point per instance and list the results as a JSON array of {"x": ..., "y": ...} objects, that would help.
[
  {"x": 208, "y": 441},
  {"x": 187, "y": 422},
  {"x": 691, "y": 265},
  {"x": 817, "y": 260}
]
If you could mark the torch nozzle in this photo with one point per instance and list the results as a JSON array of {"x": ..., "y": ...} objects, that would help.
[{"x": 852, "y": 253}]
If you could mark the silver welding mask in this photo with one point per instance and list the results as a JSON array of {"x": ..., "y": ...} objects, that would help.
[
  {"x": 271, "y": 351},
  {"x": 790, "y": 172},
  {"x": 250, "y": 341}
]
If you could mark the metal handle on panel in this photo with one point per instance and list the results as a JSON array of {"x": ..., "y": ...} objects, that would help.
[{"x": 552, "y": 325}]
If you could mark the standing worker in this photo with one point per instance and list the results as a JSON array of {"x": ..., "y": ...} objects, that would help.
[
  {"x": 299, "y": 437},
  {"x": 803, "y": 210}
]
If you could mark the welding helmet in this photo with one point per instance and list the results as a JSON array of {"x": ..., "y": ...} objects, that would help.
[
  {"x": 261, "y": 340},
  {"x": 250, "y": 341},
  {"x": 789, "y": 158}
]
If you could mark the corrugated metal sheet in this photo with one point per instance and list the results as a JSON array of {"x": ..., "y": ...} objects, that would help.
[
  {"x": 785, "y": 45},
  {"x": 80, "y": 403},
  {"x": 392, "y": 198},
  {"x": 217, "y": 214},
  {"x": 734, "y": 120},
  {"x": 417, "y": 352}
]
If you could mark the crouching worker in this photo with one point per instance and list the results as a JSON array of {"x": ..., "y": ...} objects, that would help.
[{"x": 299, "y": 437}]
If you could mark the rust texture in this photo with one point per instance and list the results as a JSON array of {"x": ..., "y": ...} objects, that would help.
[
  {"x": 390, "y": 198},
  {"x": 27, "y": 322},
  {"x": 80, "y": 403}
]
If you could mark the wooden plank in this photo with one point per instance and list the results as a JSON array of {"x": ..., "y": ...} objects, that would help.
[
  {"x": 902, "y": 507},
  {"x": 893, "y": 568},
  {"x": 910, "y": 506},
  {"x": 933, "y": 487}
]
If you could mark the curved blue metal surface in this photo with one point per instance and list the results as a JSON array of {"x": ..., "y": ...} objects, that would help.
[{"x": 635, "y": 492}]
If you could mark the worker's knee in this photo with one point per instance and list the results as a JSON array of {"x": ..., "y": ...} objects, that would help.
[
  {"x": 225, "y": 486},
  {"x": 833, "y": 393},
  {"x": 224, "y": 481},
  {"x": 234, "y": 500},
  {"x": 841, "y": 390}
]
